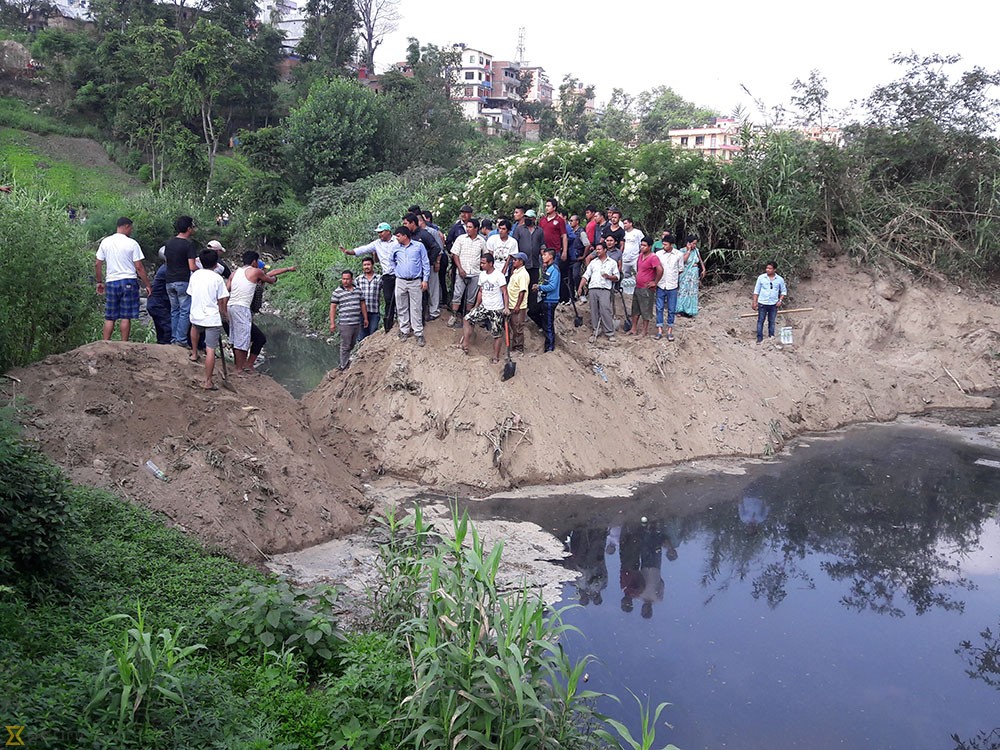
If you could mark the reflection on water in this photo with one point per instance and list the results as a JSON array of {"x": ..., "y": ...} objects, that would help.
[
  {"x": 297, "y": 361},
  {"x": 818, "y": 602}
]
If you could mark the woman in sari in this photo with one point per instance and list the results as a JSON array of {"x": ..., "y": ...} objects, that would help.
[{"x": 694, "y": 271}]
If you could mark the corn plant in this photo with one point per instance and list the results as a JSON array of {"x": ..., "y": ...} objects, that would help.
[
  {"x": 140, "y": 670},
  {"x": 487, "y": 666},
  {"x": 648, "y": 721}
]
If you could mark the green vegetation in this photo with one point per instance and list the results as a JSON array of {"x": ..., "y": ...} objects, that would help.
[
  {"x": 65, "y": 179},
  {"x": 48, "y": 304},
  {"x": 116, "y": 632},
  {"x": 16, "y": 113},
  {"x": 345, "y": 215}
]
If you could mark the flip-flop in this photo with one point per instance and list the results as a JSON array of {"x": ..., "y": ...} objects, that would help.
[
  {"x": 670, "y": 337},
  {"x": 213, "y": 388},
  {"x": 659, "y": 336}
]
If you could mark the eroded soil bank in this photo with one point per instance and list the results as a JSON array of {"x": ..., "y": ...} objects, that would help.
[{"x": 254, "y": 472}]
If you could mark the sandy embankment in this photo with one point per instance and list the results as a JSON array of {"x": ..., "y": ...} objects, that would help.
[
  {"x": 255, "y": 472},
  {"x": 872, "y": 349}
]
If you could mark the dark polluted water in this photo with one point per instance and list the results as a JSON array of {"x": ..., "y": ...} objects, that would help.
[
  {"x": 819, "y": 601},
  {"x": 296, "y": 360}
]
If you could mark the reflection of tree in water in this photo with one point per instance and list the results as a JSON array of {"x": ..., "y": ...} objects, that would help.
[
  {"x": 891, "y": 540},
  {"x": 984, "y": 663}
]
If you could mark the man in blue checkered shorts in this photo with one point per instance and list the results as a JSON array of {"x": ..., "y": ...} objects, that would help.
[{"x": 121, "y": 291}]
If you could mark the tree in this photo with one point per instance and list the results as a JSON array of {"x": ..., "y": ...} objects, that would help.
[
  {"x": 573, "y": 121},
  {"x": 338, "y": 133},
  {"x": 926, "y": 93},
  {"x": 329, "y": 32},
  {"x": 427, "y": 127},
  {"x": 662, "y": 109},
  {"x": 202, "y": 74},
  {"x": 617, "y": 120},
  {"x": 810, "y": 99},
  {"x": 16, "y": 14},
  {"x": 377, "y": 18}
]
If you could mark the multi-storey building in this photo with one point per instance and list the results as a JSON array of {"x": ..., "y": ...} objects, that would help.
[{"x": 720, "y": 138}]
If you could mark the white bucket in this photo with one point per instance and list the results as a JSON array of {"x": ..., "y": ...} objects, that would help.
[{"x": 786, "y": 334}]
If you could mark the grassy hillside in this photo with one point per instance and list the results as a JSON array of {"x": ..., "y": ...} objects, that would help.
[{"x": 76, "y": 171}]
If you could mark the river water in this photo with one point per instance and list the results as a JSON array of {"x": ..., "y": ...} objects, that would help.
[
  {"x": 817, "y": 601},
  {"x": 820, "y": 600}
]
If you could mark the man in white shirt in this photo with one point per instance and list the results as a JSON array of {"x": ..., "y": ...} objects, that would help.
[
  {"x": 630, "y": 248},
  {"x": 382, "y": 248},
  {"x": 121, "y": 291},
  {"x": 466, "y": 253},
  {"x": 672, "y": 261},
  {"x": 599, "y": 279},
  {"x": 209, "y": 298},
  {"x": 491, "y": 306},
  {"x": 501, "y": 246}
]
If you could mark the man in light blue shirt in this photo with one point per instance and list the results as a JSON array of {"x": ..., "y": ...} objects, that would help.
[
  {"x": 413, "y": 270},
  {"x": 768, "y": 294}
]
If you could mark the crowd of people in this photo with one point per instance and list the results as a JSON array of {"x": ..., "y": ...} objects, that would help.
[
  {"x": 484, "y": 273},
  {"x": 498, "y": 274},
  {"x": 194, "y": 297}
]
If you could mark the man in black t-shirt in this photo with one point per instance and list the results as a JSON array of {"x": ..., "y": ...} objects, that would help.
[{"x": 180, "y": 254}]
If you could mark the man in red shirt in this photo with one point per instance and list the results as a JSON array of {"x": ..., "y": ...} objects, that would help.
[
  {"x": 649, "y": 271},
  {"x": 554, "y": 230},
  {"x": 556, "y": 237}
]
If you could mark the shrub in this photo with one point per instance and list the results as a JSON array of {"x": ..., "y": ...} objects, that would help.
[
  {"x": 34, "y": 510},
  {"x": 256, "y": 618},
  {"x": 488, "y": 668}
]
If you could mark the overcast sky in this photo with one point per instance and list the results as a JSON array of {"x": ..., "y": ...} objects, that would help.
[{"x": 705, "y": 51}]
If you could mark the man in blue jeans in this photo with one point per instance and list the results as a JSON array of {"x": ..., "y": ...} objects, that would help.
[
  {"x": 548, "y": 293},
  {"x": 768, "y": 294},
  {"x": 179, "y": 253},
  {"x": 672, "y": 261}
]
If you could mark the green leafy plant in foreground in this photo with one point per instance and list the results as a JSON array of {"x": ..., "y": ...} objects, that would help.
[
  {"x": 258, "y": 617},
  {"x": 140, "y": 669},
  {"x": 487, "y": 666}
]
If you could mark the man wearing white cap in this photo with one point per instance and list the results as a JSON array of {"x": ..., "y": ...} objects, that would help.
[{"x": 382, "y": 248}]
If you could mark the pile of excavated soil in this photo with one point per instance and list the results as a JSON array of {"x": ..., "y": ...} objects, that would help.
[
  {"x": 245, "y": 473},
  {"x": 873, "y": 348},
  {"x": 254, "y": 472}
]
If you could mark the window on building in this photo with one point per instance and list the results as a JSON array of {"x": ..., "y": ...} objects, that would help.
[
  {"x": 714, "y": 140},
  {"x": 684, "y": 140},
  {"x": 472, "y": 58},
  {"x": 480, "y": 76},
  {"x": 469, "y": 75},
  {"x": 480, "y": 61},
  {"x": 469, "y": 91},
  {"x": 699, "y": 140}
]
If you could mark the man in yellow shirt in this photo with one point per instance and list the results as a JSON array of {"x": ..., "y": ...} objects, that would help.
[{"x": 517, "y": 296}]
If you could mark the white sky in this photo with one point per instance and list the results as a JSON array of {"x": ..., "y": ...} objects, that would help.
[{"x": 705, "y": 50}]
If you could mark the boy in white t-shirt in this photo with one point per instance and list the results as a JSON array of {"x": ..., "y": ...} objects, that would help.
[
  {"x": 491, "y": 305},
  {"x": 209, "y": 298}
]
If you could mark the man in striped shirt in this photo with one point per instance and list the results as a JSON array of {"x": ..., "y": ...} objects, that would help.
[
  {"x": 370, "y": 284},
  {"x": 353, "y": 314}
]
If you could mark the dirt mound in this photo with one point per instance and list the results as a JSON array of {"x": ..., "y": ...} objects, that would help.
[
  {"x": 872, "y": 349},
  {"x": 245, "y": 473}
]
